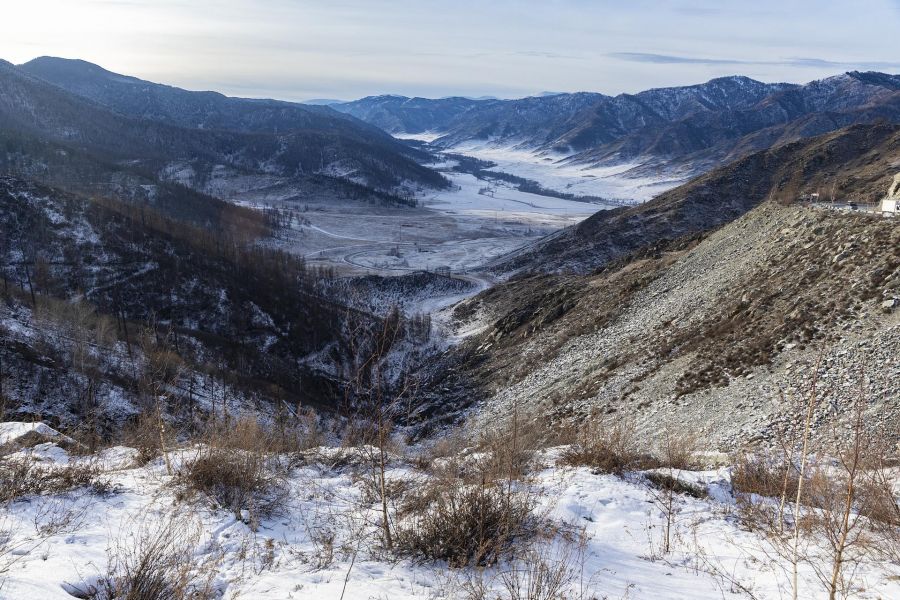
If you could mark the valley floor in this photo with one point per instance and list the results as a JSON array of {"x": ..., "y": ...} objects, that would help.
[{"x": 461, "y": 229}]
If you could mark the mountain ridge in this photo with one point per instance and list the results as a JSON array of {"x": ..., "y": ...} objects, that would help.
[{"x": 66, "y": 139}]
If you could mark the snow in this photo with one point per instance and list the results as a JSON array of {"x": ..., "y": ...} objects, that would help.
[
  {"x": 326, "y": 539},
  {"x": 474, "y": 197},
  {"x": 15, "y": 430},
  {"x": 425, "y": 136},
  {"x": 555, "y": 172}
]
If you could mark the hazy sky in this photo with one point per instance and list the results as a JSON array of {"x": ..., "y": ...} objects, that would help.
[{"x": 301, "y": 49}]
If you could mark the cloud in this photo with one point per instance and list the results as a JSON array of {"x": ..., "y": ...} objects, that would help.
[
  {"x": 799, "y": 62},
  {"x": 668, "y": 59},
  {"x": 550, "y": 55}
]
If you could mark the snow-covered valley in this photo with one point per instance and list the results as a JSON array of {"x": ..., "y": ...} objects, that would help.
[
  {"x": 557, "y": 172},
  {"x": 289, "y": 356},
  {"x": 461, "y": 229}
]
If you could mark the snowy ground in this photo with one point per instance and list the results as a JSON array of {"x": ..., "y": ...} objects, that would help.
[
  {"x": 554, "y": 172},
  {"x": 460, "y": 228},
  {"x": 324, "y": 544}
]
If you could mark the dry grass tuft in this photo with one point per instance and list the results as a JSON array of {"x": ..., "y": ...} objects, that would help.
[
  {"x": 23, "y": 476},
  {"x": 238, "y": 467},
  {"x": 155, "y": 564},
  {"x": 764, "y": 476},
  {"x": 606, "y": 448},
  {"x": 670, "y": 483}
]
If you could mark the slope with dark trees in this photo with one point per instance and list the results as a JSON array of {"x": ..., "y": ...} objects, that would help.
[
  {"x": 247, "y": 315},
  {"x": 690, "y": 128}
]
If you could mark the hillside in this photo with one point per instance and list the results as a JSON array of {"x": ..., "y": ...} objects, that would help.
[
  {"x": 713, "y": 137},
  {"x": 854, "y": 163},
  {"x": 703, "y": 312},
  {"x": 574, "y": 121},
  {"x": 172, "y": 140},
  {"x": 96, "y": 291},
  {"x": 682, "y": 129}
]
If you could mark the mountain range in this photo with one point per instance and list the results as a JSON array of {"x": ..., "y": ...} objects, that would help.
[
  {"x": 76, "y": 125},
  {"x": 694, "y": 127}
]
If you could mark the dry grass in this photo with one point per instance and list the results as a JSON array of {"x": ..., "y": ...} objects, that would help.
[
  {"x": 23, "y": 477},
  {"x": 238, "y": 467},
  {"x": 670, "y": 483},
  {"x": 143, "y": 434},
  {"x": 606, "y": 447},
  {"x": 772, "y": 477},
  {"x": 508, "y": 451},
  {"x": 155, "y": 564}
]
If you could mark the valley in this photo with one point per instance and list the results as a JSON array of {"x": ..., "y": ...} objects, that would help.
[
  {"x": 559, "y": 347},
  {"x": 460, "y": 228}
]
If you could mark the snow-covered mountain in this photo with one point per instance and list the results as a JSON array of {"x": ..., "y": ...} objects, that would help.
[{"x": 696, "y": 126}]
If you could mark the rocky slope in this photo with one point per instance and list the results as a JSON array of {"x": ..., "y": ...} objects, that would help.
[
  {"x": 721, "y": 335},
  {"x": 718, "y": 327}
]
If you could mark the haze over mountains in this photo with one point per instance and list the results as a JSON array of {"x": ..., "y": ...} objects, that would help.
[{"x": 222, "y": 146}]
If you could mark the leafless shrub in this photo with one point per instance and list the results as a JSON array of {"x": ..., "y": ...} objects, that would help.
[
  {"x": 764, "y": 475},
  {"x": 677, "y": 449},
  {"x": 143, "y": 434},
  {"x": 547, "y": 572},
  {"x": 464, "y": 524},
  {"x": 606, "y": 448},
  {"x": 552, "y": 567},
  {"x": 508, "y": 450},
  {"x": 298, "y": 434},
  {"x": 669, "y": 483},
  {"x": 236, "y": 467}
]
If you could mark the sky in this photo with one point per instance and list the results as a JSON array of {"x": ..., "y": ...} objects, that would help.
[{"x": 346, "y": 49}]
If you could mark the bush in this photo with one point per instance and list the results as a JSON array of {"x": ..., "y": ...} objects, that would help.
[
  {"x": 606, "y": 448},
  {"x": 509, "y": 449},
  {"x": 237, "y": 468},
  {"x": 236, "y": 480},
  {"x": 464, "y": 524},
  {"x": 669, "y": 483},
  {"x": 143, "y": 434},
  {"x": 764, "y": 476},
  {"x": 677, "y": 449},
  {"x": 20, "y": 477}
]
